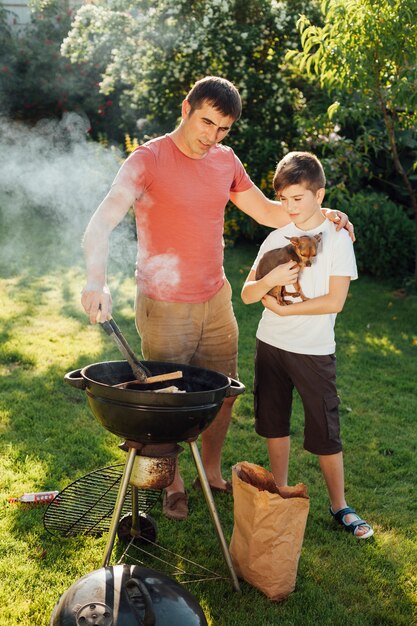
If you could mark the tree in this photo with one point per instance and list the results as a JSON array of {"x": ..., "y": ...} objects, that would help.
[
  {"x": 36, "y": 82},
  {"x": 365, "y": 56},
  {"x": 155, "y": 50}
]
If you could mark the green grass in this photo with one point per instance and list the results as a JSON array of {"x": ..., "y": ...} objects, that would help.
[{"x": 49, "y": 438}]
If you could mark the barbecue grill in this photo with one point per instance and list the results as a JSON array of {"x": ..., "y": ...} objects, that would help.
[{"x": 145, "y": 415}]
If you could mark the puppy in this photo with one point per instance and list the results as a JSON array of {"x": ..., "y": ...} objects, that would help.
[{"x": 301, "y": 250}]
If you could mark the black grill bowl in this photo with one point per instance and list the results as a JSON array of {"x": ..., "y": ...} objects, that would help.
[{"x": 140, "y": 414}]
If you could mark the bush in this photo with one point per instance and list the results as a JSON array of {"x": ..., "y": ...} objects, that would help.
[
  {"x": 154, "y": 55},
  {"x": 36, "y": 82},
  {"x": 385, "y": 246}
]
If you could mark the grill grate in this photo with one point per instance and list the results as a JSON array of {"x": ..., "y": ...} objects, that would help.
[{"x": 86, "y": 505}]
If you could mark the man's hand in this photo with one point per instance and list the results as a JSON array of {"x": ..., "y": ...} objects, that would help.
[
  {"x": 341, "y": 220},
  {"x": 97, "y": 302}
]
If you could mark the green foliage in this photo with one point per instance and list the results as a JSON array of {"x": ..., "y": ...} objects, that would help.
[
  {"x": 385, "y": 246},
  {"x": 364, "y": 56},
  {"x": 368, "y": 48},
  {"x": 154, "y": 51},
  {"x": 36, "y": 82}
]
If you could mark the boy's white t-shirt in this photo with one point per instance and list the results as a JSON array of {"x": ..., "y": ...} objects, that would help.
[{"x": 309, "y": 334}]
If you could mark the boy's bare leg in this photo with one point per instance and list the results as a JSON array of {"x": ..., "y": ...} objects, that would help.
[
  {"x": 333, "y": 472},
  {"x": 279, "y": 454}
]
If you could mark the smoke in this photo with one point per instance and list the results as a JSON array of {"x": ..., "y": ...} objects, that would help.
[
  {"x": 160, "y": 274},
  {"x": 52, "y": 178}
]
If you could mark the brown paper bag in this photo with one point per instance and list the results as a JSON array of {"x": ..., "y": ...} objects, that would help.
[{"x": 268, "y": 530}]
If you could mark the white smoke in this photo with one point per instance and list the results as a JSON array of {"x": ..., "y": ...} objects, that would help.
[
  {"x": 52, "y": 178},
  {"x": 159, "y": 273}
]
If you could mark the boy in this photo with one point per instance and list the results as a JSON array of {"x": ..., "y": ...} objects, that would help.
[{"x": 295, "y": 343}]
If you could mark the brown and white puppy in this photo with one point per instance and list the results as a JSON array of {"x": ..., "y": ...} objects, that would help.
[{"x": 301, "y": 250}]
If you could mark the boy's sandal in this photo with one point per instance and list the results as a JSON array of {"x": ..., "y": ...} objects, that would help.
[{"x": 339, "y": 516}]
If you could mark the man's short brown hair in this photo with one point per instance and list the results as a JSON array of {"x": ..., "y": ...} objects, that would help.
[
  {"x": 219, "y": 93},
  {"x": 299, "y": 168}
]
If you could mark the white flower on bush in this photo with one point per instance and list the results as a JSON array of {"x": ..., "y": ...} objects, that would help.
[{"x": 222, "y": 4}]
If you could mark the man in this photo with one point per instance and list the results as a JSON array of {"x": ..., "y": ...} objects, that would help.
[{"x": 179, "y": 185}]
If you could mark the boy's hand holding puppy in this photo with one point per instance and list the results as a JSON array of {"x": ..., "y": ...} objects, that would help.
[
  {"x": 279, "y": 268},
  {"x": 285, "y": 274},
  {"x": 271, "y": 303}
]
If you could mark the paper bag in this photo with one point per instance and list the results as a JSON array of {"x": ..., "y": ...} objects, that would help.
[{"x": 268, "y": 530}]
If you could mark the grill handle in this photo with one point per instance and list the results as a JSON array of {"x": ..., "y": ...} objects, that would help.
[
  {"x": 235, "y": 389},
  {"x": 135, "y": 585},
  {"x": 75, "y": 379}
]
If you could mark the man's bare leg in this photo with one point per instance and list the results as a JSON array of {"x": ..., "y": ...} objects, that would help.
[
  {"x": 212, "y": 440},
  {"x": 211, "y": 450},
  {"x": 177, "y": 484}
]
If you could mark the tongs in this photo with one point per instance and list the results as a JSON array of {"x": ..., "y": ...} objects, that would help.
[{"x": 140, "y": 371}]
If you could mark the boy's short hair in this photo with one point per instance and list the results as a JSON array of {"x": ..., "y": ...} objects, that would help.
[
  {"x": 218, "y": 92},
  {"x": 299, "y": 168}
]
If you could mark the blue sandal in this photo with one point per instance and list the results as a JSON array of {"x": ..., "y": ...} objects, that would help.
[{"x": 339, "y": 516}]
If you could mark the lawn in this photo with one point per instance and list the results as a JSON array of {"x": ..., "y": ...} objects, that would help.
[{"x": 49, "y": 438}]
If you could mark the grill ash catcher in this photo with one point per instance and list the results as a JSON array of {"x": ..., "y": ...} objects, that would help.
[{"x": 153, "y": 420}]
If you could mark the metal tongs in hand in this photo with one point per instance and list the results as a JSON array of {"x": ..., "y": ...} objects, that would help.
[{"x": 140, "y": 372}]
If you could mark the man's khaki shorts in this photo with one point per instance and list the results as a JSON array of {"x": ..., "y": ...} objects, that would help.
[{"x": 204, "y": 334}]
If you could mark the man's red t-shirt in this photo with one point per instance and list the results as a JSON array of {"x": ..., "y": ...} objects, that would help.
[{"x": 179, "y": 212}]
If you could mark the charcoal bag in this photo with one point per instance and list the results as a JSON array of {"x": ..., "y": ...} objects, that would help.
[{"x": 268, "y": 532}]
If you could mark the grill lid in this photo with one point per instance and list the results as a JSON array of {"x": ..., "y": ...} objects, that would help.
[{"x": 127, "y": 595}]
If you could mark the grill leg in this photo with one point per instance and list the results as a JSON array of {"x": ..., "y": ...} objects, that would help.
[
  {"x": 213, "y": 512},
  {"x": 134, "y": 531},
  {"x": 124, "y": 484}
]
